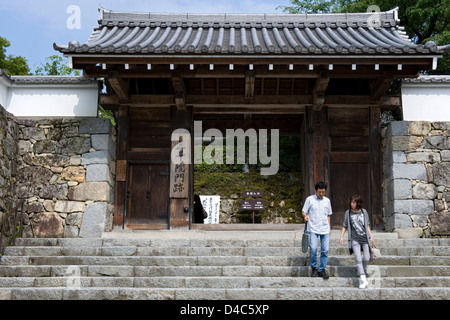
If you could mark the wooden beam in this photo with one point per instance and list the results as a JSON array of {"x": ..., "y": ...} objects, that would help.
[
  {"x": 317, "y": 147},
  {"x": 121, "y": 165},
  {"x": 111, "y": 101},
  {"x": 380, "y": 87},
  {"x": 261, "y": 71},
  {"x": 319, "y": 91},
  {"x": 376, "y": 178},
  {"x": 119, "y": 86},
  {"x": 180, "y": 90},
  {"x": 249, "y": 84}
]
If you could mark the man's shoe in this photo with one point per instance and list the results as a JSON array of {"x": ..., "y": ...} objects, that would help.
[
  {"x": 323, "y": 274},
  {"x": 314, "y": 272}
]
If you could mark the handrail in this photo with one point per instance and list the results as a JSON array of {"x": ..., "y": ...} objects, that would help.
[{"x": 11, "y": 238}]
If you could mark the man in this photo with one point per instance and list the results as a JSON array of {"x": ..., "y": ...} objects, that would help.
[{"x": 317, "y": 211}]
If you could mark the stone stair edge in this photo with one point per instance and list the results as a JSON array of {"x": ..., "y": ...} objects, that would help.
[{"x": 58, "y": 293}]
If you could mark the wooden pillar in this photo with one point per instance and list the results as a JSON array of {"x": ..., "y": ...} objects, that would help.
[
  {"x": 180, "y": 171},
  {"x": 316, "y": 148},
  {"x": 375, "y": 167},
  {"x": 121, "y": 165}
]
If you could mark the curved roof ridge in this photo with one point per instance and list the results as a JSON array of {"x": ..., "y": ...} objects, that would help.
[{"x": 111, "y": 15}]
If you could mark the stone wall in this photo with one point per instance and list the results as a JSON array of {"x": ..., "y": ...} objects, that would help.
[
  {"x": 9, "y": 136},
  {"x": 416, "y": 178},
  {"x": 66, "y": 174}
]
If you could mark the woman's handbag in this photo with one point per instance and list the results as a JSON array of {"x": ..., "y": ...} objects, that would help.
[
  {"x": 374, "y": 253},
  {"x": 305, "y": 240}
]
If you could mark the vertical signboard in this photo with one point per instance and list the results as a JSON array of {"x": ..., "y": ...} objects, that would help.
[{"x": 211, "y": 204}]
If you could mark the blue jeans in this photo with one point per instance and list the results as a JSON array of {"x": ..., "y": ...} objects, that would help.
[{"x": 324, "y": 245}]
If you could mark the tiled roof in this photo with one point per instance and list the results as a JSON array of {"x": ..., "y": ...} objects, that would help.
[
  {"x": 259, "y": 34},
  {"x": 436, "y": 79},
  {"x": 45, "y": 80}
]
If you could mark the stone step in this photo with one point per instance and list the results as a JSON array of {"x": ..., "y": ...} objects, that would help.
[
  {"x": 206, "y": 251},
  {"x": 215, "y": 260},
  {"x": 169, "y": 242},
  {"x": 101, "y": 293},
  {"x": 17, "y": 271},
  {"x": 220, "y": 282}
]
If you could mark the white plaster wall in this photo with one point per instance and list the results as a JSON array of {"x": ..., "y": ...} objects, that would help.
[
  {"x": 3, "y": 91},
  {"x": 426, "y": 102},
  {"x": 48, "y": 102}
]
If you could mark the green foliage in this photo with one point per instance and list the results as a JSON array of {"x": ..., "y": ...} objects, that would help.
[
  {"x": 54, "y": 66},
  {"x": 14, "y": 65},
  {"x": 288, "y": 158}
]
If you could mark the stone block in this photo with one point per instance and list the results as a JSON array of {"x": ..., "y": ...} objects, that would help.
[
  {"x": 69, "y": 206},
  {"x": 74, "y": 219},
  {"x": 408, "y": 233},
  {"x": 99, "y": 172},
  {"x": 96, "y": 157},
  {"x": 405, "y": 143},
  {"x": 96, "y": 191},
  {"x": 73, "y": 173},
  {"x": 440, "y": 223},
  {"x": 417, "y": 207},
  {"x": 47, "y": 225},
  {"x": 75, "y": 145},
  {"x": 409, "y": 171},
  {"x": 441, "y": 174},
  {"x": 25, "y": 146},
  {"x": 398, "y": 157},
  {"x": 399, "y": 189},
  {"x": 438, "y": 142},
  {"x": 104, "y": 142},
  {"x": 419, "y": 128},
  {"x": 95, "y": 220},
  {"x": 397, "y": 128},
  {"x": 398, "y": 221},
  {"x": 445, "y": 154},
  {"x": 95, "y": 126},
  {"x": 424, "y": 191},
  {"x": 58, "y": 191},
  {"x": 71, "y": 231},
  {"x": 424, "y": 157}
]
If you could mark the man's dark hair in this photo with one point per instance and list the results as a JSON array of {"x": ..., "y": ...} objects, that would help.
[{"x": 321, "y": 185}]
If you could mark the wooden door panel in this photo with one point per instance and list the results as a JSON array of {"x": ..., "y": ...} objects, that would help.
[
  {"x": 147, "y": 194},
  {"x": 348, "y": 179}
]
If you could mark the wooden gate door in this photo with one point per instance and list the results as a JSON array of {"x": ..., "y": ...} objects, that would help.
[
  {"x": 147, "y": 195},
  {"x": 350, "y": 169}
]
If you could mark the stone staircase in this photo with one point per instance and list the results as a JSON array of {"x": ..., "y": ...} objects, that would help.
[{"x": 217, "y": 265}]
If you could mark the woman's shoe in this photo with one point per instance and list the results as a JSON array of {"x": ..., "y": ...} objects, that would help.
[{"x": 363, "y": 283}]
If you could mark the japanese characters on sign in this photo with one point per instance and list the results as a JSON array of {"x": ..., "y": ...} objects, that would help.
[
  {"x": 179, "y": 165},
  {"x": 211, "y": 204},
  {"x": 253, "y": 205},
  {"x": 252, "y": 194}
]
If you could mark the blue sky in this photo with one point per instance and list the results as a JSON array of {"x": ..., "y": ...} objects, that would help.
[{"x": 32, "y": 26}]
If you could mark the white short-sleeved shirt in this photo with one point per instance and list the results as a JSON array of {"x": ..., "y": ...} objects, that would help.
[{"x": 318, "y": 211}]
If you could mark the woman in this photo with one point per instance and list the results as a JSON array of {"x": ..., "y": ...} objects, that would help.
[{"x": 359, "y": 236}]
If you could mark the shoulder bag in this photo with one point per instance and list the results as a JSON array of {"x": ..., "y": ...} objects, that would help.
[
  {"x": 374, "y": 253},
  {"x": 305, "y": 240}
]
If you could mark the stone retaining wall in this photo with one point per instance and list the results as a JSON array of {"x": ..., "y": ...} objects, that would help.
[
  {"x": 416, "y": 178},
  {"x": 66, "y": 174},
  {"x": 9, "y": 136}
]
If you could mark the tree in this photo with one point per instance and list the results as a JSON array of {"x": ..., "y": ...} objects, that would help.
[
  {"x": 55, "y": 65},
  {"x": 14, "y": 65},
  {"x": 424, "y": 20}
]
